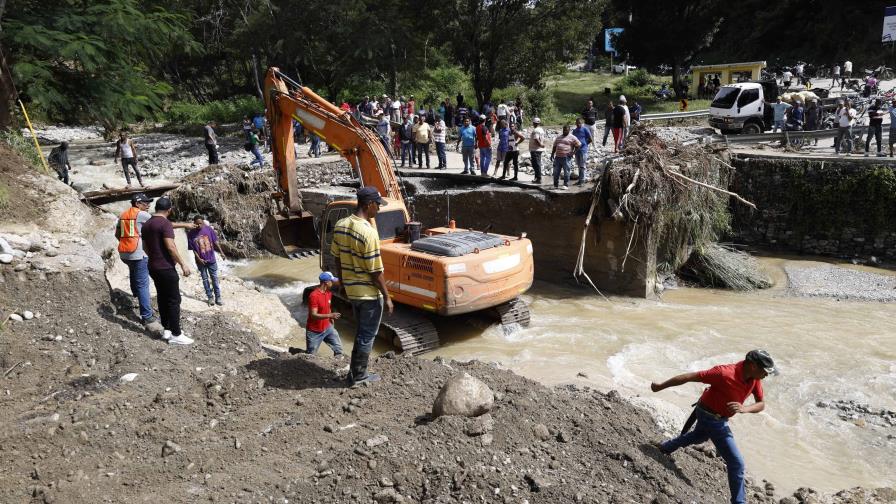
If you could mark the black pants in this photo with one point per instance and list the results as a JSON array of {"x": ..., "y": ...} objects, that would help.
[
  {"x": 127, "y": 175},
  {"x": 167, "y": 284},
  {"x": 212, "y": 153},
  {"x": 62, "y": 173},
  {"x": 422, "y": 150},
  {"x": 511, "y": 156},
  {"x": 874, "y": 129}
]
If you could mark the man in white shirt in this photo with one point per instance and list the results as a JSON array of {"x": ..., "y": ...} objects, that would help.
[
  {"x": 384, "y": 131},
  {"x": 396, "y": 110},
  {"x": 502, "y": 111},
  {"x": 536, "y": 148},
  {"x": 439, "y": 132},
  {"x": 846, "y": 118},
  {"x": 847, "y": 69},
  {"x": 786, "y": 78}
]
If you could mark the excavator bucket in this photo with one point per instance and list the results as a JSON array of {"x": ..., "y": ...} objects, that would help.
[{"x": 290, "y": 236}]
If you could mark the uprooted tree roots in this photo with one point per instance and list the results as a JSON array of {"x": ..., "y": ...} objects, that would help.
[{"x": 673, "y": 194}]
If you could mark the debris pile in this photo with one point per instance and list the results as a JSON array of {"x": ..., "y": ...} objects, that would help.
[{"x": 674, "y": 195}]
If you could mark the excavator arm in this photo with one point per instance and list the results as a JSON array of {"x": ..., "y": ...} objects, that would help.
[
  {"x": 290, "y": 230},
  {"x": 356, "y": 143}
]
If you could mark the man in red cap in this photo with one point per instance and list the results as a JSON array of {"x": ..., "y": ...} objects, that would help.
[{"x": 729, "y": 386}]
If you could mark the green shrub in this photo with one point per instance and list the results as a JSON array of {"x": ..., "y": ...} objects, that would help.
[
  {"x": 185, "y": 113},
  {"x": 637, "y": 78},
  {"x": 439, "y": 83},
  {"x": 24, "y": 146}
]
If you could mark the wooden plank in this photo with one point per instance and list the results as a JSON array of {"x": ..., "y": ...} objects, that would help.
[{"x": 124, "y": 193}]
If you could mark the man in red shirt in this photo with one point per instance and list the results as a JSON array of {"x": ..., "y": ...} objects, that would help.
[
  {"x": 318, "y": 327},
  {"x": 729, "y": 386},
  {"x": 484, "y": 142}
]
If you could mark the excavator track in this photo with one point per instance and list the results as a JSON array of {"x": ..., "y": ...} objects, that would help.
[
  {"x": 304, "y": 252},
  {"x": 411, "y": 331},
  {"x": 512, "y": 315}
]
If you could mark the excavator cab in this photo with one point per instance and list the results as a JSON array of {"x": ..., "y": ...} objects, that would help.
[{"x": 290, "y": 236}]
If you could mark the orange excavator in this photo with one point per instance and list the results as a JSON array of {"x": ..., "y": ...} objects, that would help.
[{"x": 441, "y": 271}]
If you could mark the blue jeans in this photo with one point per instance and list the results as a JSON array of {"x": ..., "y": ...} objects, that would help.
[
  {"x": 440, "y": 155},
  {"x": 406, "y": 149},
  {"x": 561, "y": 163},
  {"x": 315, "y": 146},
  {"x": 258, "y": 158},
  {"x": 777, "y": 125},
  {"x": 210, "y": 270},
  {"x": 368, "y": 315},
  {"x": 328, "y": 336},
  {"x": 139, "y": 276},
  {"x": 581, "y": 161},
  {"x": 485, "y": 159},
  {"x": 467, "y": 152},
  {"x": 710, "y": 428}
]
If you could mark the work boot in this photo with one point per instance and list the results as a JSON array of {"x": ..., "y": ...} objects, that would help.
[{"x": 358, "y": 368}]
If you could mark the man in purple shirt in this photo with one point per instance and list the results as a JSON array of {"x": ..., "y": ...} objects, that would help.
[
  {"x": 158, "y": 242},
  {"x": 203, "y": 241}
]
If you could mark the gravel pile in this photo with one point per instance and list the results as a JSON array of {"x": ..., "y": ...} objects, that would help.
[{"x": 840, "y": 283}]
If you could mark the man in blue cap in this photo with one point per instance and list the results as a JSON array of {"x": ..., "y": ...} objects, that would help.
[
  {"x": 319, "y": 326},
  {"x": 356, "y": 247},
  {"x": 729, "y": 386}
]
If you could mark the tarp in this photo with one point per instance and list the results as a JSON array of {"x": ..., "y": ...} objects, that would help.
[{"x": 889, "y": 34}]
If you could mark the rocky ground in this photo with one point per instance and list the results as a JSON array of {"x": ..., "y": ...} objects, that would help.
[
  {"x": 96, "y": 411},
  {"x": 840, "y": 283}
]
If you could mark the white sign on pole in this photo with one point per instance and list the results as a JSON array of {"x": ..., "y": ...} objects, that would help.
[{"x": 889, "y": 25}]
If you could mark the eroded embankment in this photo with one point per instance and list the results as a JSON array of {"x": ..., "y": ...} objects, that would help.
[{"x": 841, "y": 208}]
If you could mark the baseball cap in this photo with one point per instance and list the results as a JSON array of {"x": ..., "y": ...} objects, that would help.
[
  {"x": 163, "y": 203},
  {"x": 482, "y": 116},
  {"x": 369, "y": 194},
  {"x": 622, "y": 98},
  {"x": 762, "y": 358},
  {"x": 326, "y": 276},
  {"x": 140, "y": 198},
  {"x": 536, "y": 120}
]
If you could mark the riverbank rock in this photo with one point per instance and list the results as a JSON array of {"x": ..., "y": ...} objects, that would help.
[{"x": 463, "y": 395}]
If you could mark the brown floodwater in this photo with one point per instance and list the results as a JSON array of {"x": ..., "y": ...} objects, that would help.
[{"x": 826, "y": 349}]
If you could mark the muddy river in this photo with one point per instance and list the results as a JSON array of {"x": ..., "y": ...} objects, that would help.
[{"x": 827, "y": 350}]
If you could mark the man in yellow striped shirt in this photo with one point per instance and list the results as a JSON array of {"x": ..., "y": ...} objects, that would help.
[{"x": 356, "y": 247}]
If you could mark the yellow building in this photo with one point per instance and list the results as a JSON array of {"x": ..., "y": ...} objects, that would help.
[{"x": 728, "y": 73}]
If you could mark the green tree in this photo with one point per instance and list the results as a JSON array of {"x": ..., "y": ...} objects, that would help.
[
  {"x": 660, "y": 31},
  {"x": 92, "y": 61},
  {"x": 503, "y": 42}
]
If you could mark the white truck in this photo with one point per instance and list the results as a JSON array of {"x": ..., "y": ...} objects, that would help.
[{"x": 744, "y": 107}]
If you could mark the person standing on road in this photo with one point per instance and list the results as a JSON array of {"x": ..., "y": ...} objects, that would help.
[
  {"x": 589, "y": 116},
  {"x": 466, "y": 139},
  {"x": 780, "y": 110},
  {"x": 583, "y": 135},
  {"x": 158, "y": 242},
  {"x": 439, "y": 132},
  {"x": 618, "y": 126},
  {"x": 813, "y": 118},
  {"x": 512, "y": 154},
  {"x": 536, "y": 148},
  {"x": 356, "y": 247},
  {"x": 422, "y": 139},
  {"x": 313, "y": 151},
  {"x": 126, "y": 151},
  {"x": 484, "y": 142},
  {"x": 319, "y": 326},
  {"x": 729, "y": 386},
  {"x": 846, "y": 118},
  {"x": 565, "y": 147},
  {"x": 203, "y": 241},
  {"x": 847, "y": 70},
  {"x": 406, "y": 135},
  {"x": 786, "y": 78},
  {"x": 608, "y": 123},
  {"x": 130, "y": 251},
  {"x": 875, "y": 126},
  {"x": 836, "y": 75},
  {"x": 211, "y": 143},
  {"x": 384, "y": 131},
  {"x": 892, "y": 136},
  {"x": 58, "y": 160}
]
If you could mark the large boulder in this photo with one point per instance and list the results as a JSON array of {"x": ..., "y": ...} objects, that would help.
[{"x": 465, "y": 396}]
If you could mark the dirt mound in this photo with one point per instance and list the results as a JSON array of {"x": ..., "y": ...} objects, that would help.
[{"x": 19, "y": 201}]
